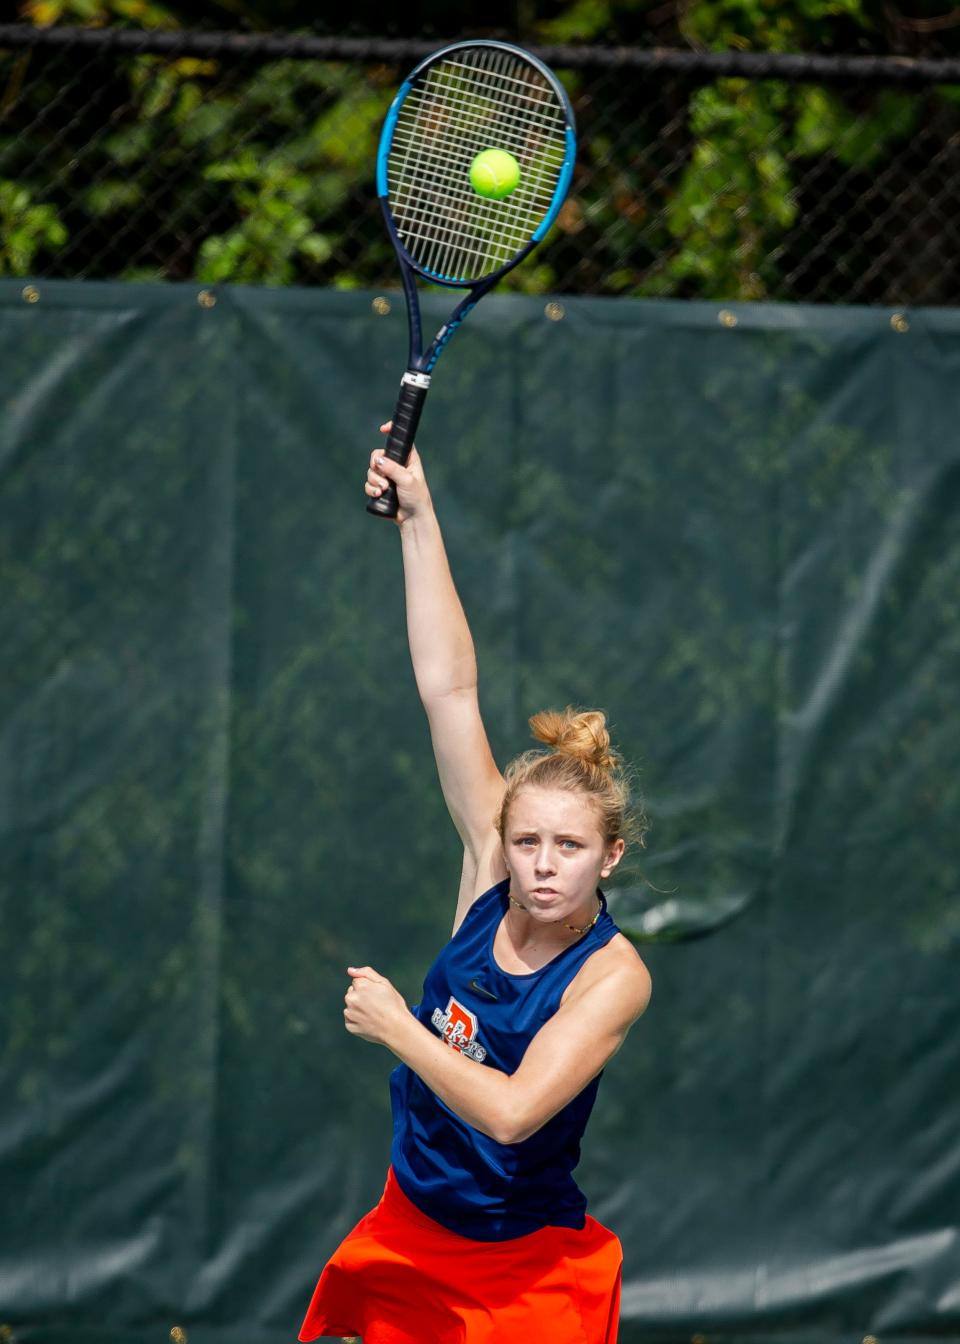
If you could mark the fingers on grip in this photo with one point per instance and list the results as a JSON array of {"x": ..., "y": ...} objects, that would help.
[
  {"x": 386, "y": 504},
  {"x": 400, "y": 434},
  {"x": 380, "y": 488}
]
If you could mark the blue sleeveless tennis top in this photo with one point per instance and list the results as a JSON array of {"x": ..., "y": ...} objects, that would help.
[{"x": 457, "y": 1176}]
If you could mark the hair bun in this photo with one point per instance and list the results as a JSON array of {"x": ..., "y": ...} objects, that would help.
[{"x": 581, "y": 734}]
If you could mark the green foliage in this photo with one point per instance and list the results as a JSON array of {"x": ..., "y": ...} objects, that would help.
[
  {"x": 581, "y": 21},
  {"x": 273, "y": 201},
  {"x": 263, "y": 173},
  {"x": 739, "y": 191},
  {"x": 281, "y": 174},
  {"x": 769, "y": 25},
  {"x": 25, "y": 228},
  {"x": 824, "y": 124},
  {"x": 735, "y": 190},
  {"x": 140, "y": 13}
]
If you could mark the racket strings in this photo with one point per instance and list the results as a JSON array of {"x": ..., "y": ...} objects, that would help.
[
  {"x": 499, "y": 96},
  {"x": 517, "y": 136},
  {"x": 436, "y": 211},
  {"x": 484, "y": 99},
  {"x": 442, "y": 225},
  {"x": 497, "y": 62},
  {"x": 535, "y": 190}
]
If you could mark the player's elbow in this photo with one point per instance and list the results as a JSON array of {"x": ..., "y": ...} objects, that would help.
[
  {"x": 508, "y": 1131},
  {"x": 522, "y": 1132},
  {"x": 440, "y": 684},
  {"x": 514, "y": 1123}
]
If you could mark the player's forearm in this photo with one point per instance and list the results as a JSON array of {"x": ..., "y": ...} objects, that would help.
[
  {"x": 441, "y": 646},
  {"x": 482, "y": 1096}
]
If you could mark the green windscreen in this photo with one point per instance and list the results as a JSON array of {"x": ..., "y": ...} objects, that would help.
[{"x": 735, "y": 531}]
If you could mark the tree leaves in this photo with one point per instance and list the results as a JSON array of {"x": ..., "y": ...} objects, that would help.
[{"x": 25, "y": 227}]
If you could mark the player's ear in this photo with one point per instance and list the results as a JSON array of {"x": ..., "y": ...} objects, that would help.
[{"x": 613, "y": 856}]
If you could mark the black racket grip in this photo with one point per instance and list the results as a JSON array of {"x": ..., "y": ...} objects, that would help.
[{"x": 406, "y": 417}]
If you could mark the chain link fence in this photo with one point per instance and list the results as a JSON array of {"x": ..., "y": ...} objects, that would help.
[{"x": 250, "y": 159}]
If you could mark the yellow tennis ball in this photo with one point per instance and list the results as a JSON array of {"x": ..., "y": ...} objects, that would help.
[{"x": 494, "y": 173}]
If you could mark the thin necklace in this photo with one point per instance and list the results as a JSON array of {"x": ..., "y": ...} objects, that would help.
[{"x": 572, "y": 927}]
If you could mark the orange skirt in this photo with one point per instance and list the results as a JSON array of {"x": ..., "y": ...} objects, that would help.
[{"x": 401, "y": 1278}]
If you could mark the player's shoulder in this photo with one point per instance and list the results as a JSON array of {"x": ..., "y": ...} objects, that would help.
[
  {"x": 619, "y": 968},
  {"x": 624, "y": 961},
  {"x": 620, "y": 954}
]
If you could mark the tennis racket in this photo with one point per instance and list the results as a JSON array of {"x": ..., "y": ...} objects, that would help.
[{"x": 458, "y": 104}]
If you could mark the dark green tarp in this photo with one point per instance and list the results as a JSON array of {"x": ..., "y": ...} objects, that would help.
[{"x": 738, "y": 533}]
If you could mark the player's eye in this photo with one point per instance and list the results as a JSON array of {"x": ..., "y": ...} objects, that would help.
[{"x": 571, "y": 844}]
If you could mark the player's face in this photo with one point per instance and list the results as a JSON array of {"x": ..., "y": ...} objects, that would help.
[{"x": 556, "y": 854}]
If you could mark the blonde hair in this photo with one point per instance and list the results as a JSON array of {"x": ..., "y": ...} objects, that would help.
[{"x": 582, "y": 761}]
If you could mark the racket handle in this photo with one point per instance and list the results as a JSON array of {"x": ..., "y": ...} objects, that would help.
[{"x": 406, "y": 417}]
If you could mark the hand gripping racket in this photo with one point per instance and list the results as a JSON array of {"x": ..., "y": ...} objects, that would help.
[{"x": 459, "y": 103}]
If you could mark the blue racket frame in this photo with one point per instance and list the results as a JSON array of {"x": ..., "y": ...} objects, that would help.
[{"x": 420, "y": 362}]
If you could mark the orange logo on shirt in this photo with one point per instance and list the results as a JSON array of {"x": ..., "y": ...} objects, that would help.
[{"x": 458, "y": 1027}]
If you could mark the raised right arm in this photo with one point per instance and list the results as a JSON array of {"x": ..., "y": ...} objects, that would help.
[{"x": 445, "y": 668}]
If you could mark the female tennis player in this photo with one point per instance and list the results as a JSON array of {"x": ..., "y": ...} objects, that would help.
[{"x": 481, "y": 1235}]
